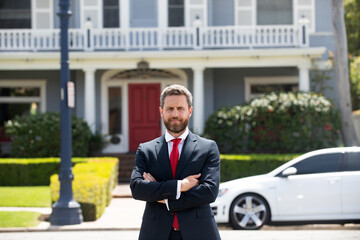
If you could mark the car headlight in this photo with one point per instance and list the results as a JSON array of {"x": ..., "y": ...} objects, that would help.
[{"x": 222, "y": 191}]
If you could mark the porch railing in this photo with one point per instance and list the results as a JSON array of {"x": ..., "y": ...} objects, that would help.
[{"x": 102, "y": 39}]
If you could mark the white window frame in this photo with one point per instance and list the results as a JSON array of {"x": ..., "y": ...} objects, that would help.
[
  {"x": 266, "y": 80},
  {"x": 26, "y": 83},
  {"x": 35, "y": 10}
]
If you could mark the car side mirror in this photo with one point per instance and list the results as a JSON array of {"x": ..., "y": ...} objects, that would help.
[{"x": 289, "y": 171}]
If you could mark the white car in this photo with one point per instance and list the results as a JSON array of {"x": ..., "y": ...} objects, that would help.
[{"x": 319, "y": 186}]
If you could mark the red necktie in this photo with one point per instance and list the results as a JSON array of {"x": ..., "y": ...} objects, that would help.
[{"x": 174, "y": 159}]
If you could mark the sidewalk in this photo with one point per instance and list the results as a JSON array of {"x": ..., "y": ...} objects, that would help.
[{"x": 121, "y": 205}]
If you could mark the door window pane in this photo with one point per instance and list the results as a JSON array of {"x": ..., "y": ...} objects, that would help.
[
  {"x": 274, "y": 12},
  {"x": 319, "y": 164},
  {"x": 15, "y": 14},
  {"x": 114, "y": 110}
]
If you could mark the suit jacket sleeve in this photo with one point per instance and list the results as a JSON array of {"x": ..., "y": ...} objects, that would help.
[
  {"x": 145, "y": 190},
  {"x": 206, "y": 192}
]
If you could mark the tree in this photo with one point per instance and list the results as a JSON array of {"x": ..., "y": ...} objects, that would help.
[
  {"x": 342, "y": 73},
  {"x": 352, "y": 21}
]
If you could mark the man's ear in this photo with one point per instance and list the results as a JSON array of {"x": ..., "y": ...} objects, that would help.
[
  {"x": 191, "y": 109},
  {"x": 160, "y": 110}
]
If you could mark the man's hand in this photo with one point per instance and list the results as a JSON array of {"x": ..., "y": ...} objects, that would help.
[
  {"x": 189, "y": 182},
  {"x": 149, "y": 177}
]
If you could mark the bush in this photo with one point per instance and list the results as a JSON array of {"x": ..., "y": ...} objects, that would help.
[
  {"x": 39, "y": 135},
  {"x": 283, "y": 122},
  {"x": 238, "y": 166},
  {"x": 30, "y": 172},
  {"x": 92, "y": 186}
]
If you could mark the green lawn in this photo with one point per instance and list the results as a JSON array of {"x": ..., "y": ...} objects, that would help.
[
  {"x": 25, "y": 196},
  {"x": 19, "y": 219}
]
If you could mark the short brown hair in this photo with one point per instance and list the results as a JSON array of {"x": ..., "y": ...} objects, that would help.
[{"x": 177, "y": 90}]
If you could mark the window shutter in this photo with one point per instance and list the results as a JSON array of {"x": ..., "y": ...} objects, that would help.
[
  {"x": 245, "y": 12},
  {"x": 42, "y": 14}
]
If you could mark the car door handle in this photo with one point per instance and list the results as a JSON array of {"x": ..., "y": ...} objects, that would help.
[{"x": 333, "y": 180}]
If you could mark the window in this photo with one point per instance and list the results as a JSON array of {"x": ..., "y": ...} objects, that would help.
[
  {"x": 257, "y": 86},
  {"x": 275, "y": 12},
  {"x": 319, "y": 164},
  {"x": 15, "y": 14},
  {"x": 176, "y": 13},
  {"x": 114, "y": 110},
  {"x": 352, "y": 161},
  {"x": 111, "y": 13},
  {"x": 19, "y": 98}
]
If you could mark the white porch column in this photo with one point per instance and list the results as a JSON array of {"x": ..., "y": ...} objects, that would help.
[
  {"x": 90, "y": 97},
  {"x": 304, "y": 78},
  {"x": 124, "y": 14},
  {"x": 198, "y": 103},
  {"x": 162, "y": 13}
]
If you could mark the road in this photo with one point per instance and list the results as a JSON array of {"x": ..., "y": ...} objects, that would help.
[{"x": 225, "y": 235}]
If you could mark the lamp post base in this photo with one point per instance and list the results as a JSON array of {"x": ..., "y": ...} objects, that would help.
[{"x": 66, "y": 214}]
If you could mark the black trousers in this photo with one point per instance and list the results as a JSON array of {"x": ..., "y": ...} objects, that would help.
[{"x": 175, "y": 235}]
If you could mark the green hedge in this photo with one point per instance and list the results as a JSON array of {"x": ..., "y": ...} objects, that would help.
[
  {"x": 30, "y": 171},
  {"x": 276, "y": 123},
  {"x": 238, "y": 166},
  {"x": 92, "y": 185}
]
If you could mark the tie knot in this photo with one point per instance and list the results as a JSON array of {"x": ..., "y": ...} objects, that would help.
[{"x": 176, "y": 141}]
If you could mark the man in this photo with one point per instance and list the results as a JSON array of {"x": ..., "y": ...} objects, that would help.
[{"x": 177, "y": 175}]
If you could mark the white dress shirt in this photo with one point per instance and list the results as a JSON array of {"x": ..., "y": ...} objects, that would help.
[{"x": 168, "y": 138}]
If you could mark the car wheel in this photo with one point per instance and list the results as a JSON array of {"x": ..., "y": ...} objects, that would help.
[{"x": 249, "y": 212}]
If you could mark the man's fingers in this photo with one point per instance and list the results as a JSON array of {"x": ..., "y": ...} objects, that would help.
[{"x": 149, "y": 177}]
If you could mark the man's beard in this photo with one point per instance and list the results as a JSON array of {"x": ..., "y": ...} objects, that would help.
[{"x": 176, "y": 128}]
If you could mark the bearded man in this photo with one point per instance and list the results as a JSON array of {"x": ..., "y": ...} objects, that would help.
[{"x": 177, "y": 175}]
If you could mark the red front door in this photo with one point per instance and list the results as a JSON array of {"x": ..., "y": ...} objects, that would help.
[{"x": 144, "y": 116}]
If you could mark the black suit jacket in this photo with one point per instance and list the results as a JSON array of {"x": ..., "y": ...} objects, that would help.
[{"x": 195, "y": 216}]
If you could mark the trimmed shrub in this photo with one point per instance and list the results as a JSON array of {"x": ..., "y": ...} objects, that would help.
[
  {"x": 92, "y": 186},
  {"x": 30, "y": 172},
  {"x": 39, "y": 135},
  {"x": 283, "y": 122},
  {"x": 239, "y": 166}
]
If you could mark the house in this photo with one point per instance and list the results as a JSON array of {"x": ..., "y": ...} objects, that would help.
[{"x": 124, "y": 52}]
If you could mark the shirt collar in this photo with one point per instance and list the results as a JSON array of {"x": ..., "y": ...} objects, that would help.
[{"x": 169, "y": 137}]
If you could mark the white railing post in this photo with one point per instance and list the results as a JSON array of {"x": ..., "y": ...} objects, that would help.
[
  {"x": 89, "y": 36},
  {"x": 303, "y": 32},
  {"x": 198, "y": 44}
]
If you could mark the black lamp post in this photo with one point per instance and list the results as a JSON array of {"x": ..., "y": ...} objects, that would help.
[{"x": 66, "y": 211}]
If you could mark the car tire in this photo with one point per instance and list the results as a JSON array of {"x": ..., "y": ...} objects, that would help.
[{"x": 249, "y": 212}]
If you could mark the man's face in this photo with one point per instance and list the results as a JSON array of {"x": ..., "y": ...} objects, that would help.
[{"x": 176, "y": 114}]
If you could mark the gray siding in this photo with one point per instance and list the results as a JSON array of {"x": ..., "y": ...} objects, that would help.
[
  {"x": 221, "y": 13},
  {"x": 143, "y": 13},
  {"x": 323, "y": 16}
]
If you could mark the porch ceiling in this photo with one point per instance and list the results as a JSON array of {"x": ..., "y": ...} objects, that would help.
[{"x": 274, "y": 57}]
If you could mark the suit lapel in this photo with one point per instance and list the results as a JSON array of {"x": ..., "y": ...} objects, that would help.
[
  {"x": 188, "y": 149},
  {"x": 162, "y": 154}
]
